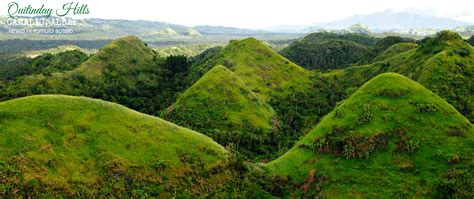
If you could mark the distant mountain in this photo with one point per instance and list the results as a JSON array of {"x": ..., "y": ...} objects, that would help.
[
  {"x": 465, "y": 31},
  {"x": 388, "y": 19},
  {"x": 110, "y": 29},
  {"x": 222, "y": 30},
  {"x": 382, "y": 21},
  {"x": 286, "y": 28}
]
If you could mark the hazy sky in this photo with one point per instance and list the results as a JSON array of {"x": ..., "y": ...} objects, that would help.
[{"x": 257, "y": 13}]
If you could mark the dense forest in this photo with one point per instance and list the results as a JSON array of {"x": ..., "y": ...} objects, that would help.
[{"x": 332, "y": 51}]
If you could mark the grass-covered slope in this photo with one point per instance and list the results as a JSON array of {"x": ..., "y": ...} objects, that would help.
[
  {"x": 395, "y": 50},
  {"x": 391, "y": 138},
  {"x": 381, "y": 46},
  {"x": 265, "y": 75},
  {"x": 264, "y": 71},
  {"x": 222, "y": 107},
  {"x": 445, "y": 65},
  {"x": 63, "y": 145},
  {"x": 120, "y": 54}
]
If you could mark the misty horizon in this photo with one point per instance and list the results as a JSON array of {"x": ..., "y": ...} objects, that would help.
[{"x": 260, "y": 15}]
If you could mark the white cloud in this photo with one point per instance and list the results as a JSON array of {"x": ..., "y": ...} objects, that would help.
[{"x": 259, "y": 13}]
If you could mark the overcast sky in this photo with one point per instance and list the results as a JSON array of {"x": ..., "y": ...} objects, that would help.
[{"x": 257, "y": 13}]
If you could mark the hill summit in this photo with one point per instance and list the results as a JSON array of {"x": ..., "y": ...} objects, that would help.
[
  {"x": 264, "y": 71},
  {"x": 121, "y": 54},
  {"x": 76, "y": 146},
  {"x": 222, "y": 107},
  {"x": 392, "y": 137},
  {"x": 444, "y": 64}
]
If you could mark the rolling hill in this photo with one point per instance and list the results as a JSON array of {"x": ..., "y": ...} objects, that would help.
[
  {"x": 122, "y": 54},
  {"x": 392, "y": 137},
  {"x": 442, "y": 63},
  {"x": 445, "y": 65},
  {"x": 222, "y": 107},
  {"x": 381, "y": 46},
  {"x": 394, "y": 50},
  {"x": 264, "y": 74},
  {"x": 264, "y": 71},
  {"x": 54, "y": 145},
  {"x": 124, "y": 71}
]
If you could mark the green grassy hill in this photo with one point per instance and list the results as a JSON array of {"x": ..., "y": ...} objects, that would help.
[
  {"x": 76, "y": 146},
  {"x": 267, "y": 75},
  {"x": 445, "y": 65},
  {"x": 381, "y": 46},
  {"x": 121, "y": 54},
  {"x": 222, "y": 107},
  {"x": 395, "y": 50},
  {"x": 125, "y": 71},
  {"x": 264, "y": 71},
  {"x": 391, "y": 138}
]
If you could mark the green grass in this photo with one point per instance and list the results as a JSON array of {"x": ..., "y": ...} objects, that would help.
[
  {"x": 221, "y": 106},
  {"x": 85, "y": 146},
  {"x": 444, "y": 64},
  {"x": 264, "y": 71},
  {"x": 240, "y": 115},
  {"x": 395, "y": 50},
  {"x": 392, "y": 137},
  {"x": 223, "y": 90},
  {"x": 121, "y": 54}
]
